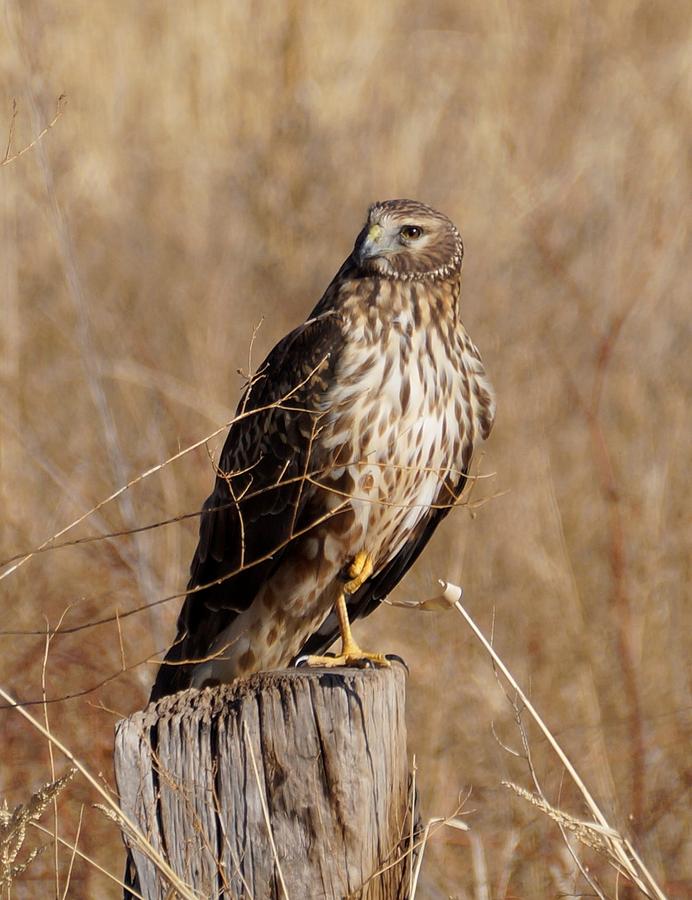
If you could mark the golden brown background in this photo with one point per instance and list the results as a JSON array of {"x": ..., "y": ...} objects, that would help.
[{"x": 212, "y": 166}]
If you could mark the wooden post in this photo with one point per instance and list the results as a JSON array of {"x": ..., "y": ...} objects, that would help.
[{"x": 290, "y": 784}]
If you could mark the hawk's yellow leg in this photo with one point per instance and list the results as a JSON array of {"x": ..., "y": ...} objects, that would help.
[{"x": 351, "y": 655}]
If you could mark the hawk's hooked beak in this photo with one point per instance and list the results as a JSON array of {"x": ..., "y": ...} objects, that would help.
[
  {"x": 370, "y": 245},
  {"x": 375, "y": 232}
]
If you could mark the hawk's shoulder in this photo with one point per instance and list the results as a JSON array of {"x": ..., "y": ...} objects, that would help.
[{"x": 307, "y": 352}]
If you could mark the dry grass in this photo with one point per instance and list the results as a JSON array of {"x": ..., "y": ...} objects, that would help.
[{"x": 211, "y": 167}]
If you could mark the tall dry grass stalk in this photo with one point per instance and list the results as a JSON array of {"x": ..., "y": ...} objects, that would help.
[{"x": 211, "y": 167}]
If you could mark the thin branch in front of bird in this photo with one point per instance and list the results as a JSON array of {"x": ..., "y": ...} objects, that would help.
[
  {"x": 181, "y": 517},
  {"x": 105, "y": 620},
  {"x": 227, "y": 475},
  {"x": 126, "y": 614},
  {"x": 229, "y": 478},
  {"x": 376, "y": 501},
  {"x": 92, "y": 538},
  {"x": 279, "y": 404},
  {"x": 304, "y": 477},
  {"x": 441, "y": 472},
  {"x": 250, "y": 374},
  {"x": 151, "y": 659},
  {"x": 280, "y": 478},
  {"x": 190, "y": 660},
  {"x": 241, "y": 520},
  {"x": 83, "y": 692},
  {"x": 474, "y": 478}
]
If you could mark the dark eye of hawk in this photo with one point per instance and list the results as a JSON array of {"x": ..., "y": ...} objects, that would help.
[{"x": 411, "y": 232}]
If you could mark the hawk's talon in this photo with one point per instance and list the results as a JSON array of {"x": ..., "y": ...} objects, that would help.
[
  {"x": 359, "y": 571},
  {"x": 393, "y": 657},
  {"x": 304, "y": 659}
]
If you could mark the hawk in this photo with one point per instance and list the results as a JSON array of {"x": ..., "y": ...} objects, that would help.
[{"x": 351, "y": 443}]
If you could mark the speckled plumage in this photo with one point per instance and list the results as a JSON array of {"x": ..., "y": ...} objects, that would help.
[{"x": 355, "y": 434}]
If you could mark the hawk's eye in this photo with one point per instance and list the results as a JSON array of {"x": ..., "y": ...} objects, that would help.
[{"x": 411, "y": 232}]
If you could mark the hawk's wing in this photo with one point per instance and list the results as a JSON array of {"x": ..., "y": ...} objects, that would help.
[
  {"x": 255, "y": 507},
  {"x": 382, "y": 583}
]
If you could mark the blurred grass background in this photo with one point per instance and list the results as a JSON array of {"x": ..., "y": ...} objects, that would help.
[{"x": 212, "y": 167}]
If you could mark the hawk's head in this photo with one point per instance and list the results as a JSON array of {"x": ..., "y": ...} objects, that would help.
[{"x": 409, "y": 241}]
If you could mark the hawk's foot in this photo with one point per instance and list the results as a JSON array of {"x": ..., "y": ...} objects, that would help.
[
  {"x": 351, "y": 654},
  {"x": 351, "y": 657}
]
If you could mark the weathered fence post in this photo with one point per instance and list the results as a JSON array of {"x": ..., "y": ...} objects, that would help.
[{"x": 290, "y": 784}]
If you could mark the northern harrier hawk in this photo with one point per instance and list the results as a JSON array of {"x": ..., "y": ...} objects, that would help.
[{"x": 351, "y": 444}]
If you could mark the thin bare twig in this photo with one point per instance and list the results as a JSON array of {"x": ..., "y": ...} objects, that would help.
[
  {"x": 53, "y": 544},
  {"x": 528, "y": 757},
  {"x": 10, "y": 132},
  {"x": 265, "y": 810},
  {"x": 51, "y": 759},
  {"x": 123, "y": 821},
  {"x": 10, "y": 157},
  {"x": 90, "y": 860},
  {"x": 200, "y": 587},
  {"x": 412, "y": 806},
  {"x": 157, "y": 468},
  {"x": 620, "y": 846},
  {"x": 74, "y": 852}
]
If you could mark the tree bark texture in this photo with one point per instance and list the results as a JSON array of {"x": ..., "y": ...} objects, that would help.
[{"x": 290, "y": 784}]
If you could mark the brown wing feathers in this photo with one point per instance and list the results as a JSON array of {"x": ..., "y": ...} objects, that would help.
[{"x": 246, "y": 522}]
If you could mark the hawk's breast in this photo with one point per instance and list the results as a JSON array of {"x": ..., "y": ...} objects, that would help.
[{"x": 399, "y": 420}]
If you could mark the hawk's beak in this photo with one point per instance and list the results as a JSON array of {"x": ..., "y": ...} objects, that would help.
[
  {"x": 370, "y": 245},
  {"x": 375, "y": 233}
]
